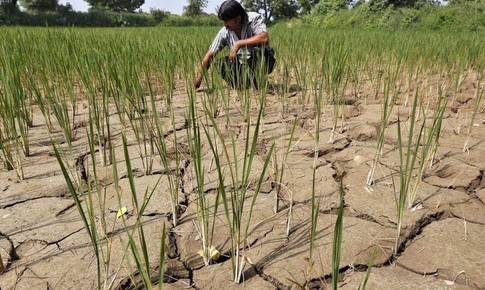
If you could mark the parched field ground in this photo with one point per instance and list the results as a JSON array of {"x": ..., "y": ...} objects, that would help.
[{"x": 44, "y": 244}]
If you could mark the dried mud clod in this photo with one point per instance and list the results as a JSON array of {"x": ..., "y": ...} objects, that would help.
[
  {"x": 476, "y": 185},
  {"x": 7, "y": 253}
]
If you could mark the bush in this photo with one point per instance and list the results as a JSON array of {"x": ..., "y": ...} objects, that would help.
[
  {"x": 93, "y": 18},
  {"x": 204, "y": 20},
  {"x": 466, "y": 16},
  {"x": 159, "y": 15},
  {"x": 331, "y": 6}
]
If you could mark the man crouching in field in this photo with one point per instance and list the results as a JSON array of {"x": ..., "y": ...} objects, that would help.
[{"x": 247, "y": 38}]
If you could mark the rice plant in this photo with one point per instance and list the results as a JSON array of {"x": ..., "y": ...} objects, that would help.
[
  {"x": 479, "y": 93},
  {"x": 235, "y": 200},
  {"x": 279, "y": 171},
  {"x": 203, "y": 205},
  {"x": 408, "y": 153},
  {"x": 338, "y": 238},
  {"x": 363, "y": 284},
  {"x": 336, "y": 84},
  {"x": 15, "y": 116},
  {"x": 315, "y": 201},
  {"x": 391, "y": 88},
  {"x": 430, "y": 142},
  {"x": 87, "y": 215}
]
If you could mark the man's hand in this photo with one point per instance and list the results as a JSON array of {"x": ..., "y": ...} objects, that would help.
[
  {"x": 234, "y": 50},
  {"x": 198, "y": 80},
  {"x": 206, "y": 63}
]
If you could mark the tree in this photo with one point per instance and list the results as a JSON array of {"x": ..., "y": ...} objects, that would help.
[
  {"x": 34, "y": 6},
  {"x": 273, "y": 9},
  {"x": 383, "y": 4},
  {"x": 194, "y": 8},
  {"x": 117, "y": 5},
  {"x": 307, "y": 5},
  {"x": 9, "y": 6},
  {"x": 329, "y": 6},
  {"x": 284, "y": 9}
]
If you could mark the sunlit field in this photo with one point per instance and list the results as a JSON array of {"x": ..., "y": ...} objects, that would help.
[{"x": 357, "y": 164}]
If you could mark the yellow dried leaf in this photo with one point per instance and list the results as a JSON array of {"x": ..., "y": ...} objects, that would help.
[
  {"x": 121, "y": 212},
  {"x": 215, "y": 254}
]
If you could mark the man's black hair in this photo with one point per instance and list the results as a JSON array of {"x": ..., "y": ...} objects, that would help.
[{"x": 231, "y": 9}]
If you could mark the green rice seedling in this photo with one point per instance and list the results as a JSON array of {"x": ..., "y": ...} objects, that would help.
[
  {"x": 300, "y": 74},
  {"x": 161, "y": 146},
  {"x": 138, "y": 112},
  {"x": 280, "y": 171},
  {"x": 283, "y": 89},
  {"x": 336, "y": 83},
  {"x": 203, "y": 206},
  {"x": 88, "y": 218},
  {"x": 140, "y": 251},
  {"x": 337, "y": 238},
  {"x": 390, "y": 95},
  {"x": 431, "y": 137},
  {"x": 441, "y": 105},
  {"x": 315, "y": 203},
  {"x": 56, "y": 80},
  {"x": 39, "y": 100},
  {"x": 169, "y": 65},
  {"x": 6, "y": 149},
  {"x": 161, "y": 262},
  {"x": 363, "y": 284},
  {"x": 406, "y": 166},
  {"x": 13, "y": 146},
  {"x": 479, "y": 93},
  {"x": 142, "y": 127},
  {"x": 90, "y": 215},
  {"x": 234, "y": 201}
]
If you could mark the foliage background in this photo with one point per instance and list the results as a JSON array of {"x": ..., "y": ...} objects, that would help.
[{"x": 374, "y": 14}]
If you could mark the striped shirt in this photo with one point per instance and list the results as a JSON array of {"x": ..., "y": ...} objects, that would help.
[{"x": 253, "y": 26}]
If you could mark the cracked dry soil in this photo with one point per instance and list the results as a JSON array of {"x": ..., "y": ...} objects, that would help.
[{"x": 44, "y": 245}]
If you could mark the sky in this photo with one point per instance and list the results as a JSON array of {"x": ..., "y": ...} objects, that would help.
[{"x": 173, "y": 6}]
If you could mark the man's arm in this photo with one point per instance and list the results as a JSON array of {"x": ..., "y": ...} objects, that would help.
[
  {"x": 204, "y": 66},
  {"x": 261, "y": 38}
]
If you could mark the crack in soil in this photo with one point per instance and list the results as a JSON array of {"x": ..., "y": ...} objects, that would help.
[
  {"x": 416, "y": 231},
  {"x": 63, "y": 211},
  {"x": 275, "y": 282},
  {"x": 177, "y": 129},
  {"x": 80, "y": 167},
  {"x": 27, "y": 200},
  {"x": 63, "y": 238},
  {"x": 321, "y": 282},
  {"x": 476, "y": 184}
]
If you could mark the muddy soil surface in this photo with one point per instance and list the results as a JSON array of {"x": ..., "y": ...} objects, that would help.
[{"x": 44, "y": 243}]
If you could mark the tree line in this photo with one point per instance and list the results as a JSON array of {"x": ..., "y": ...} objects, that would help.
[
  {"x": 384, "y": 13},
  {"x": 272, "y": 10}
]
